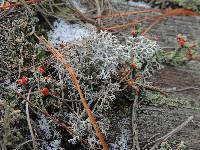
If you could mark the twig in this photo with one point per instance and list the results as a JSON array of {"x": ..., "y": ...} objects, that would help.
[
  {"x": 127, "y": 24},
  {"x": 124, "y": 25},
  {"x": 98, "y": 11},
  {"x": 20, "y": 145},
  {"x": 29, "y": 122},
  {"x": 44, "y": 16},
  {"x": 152, "y": 88},
  {"x": 149, "y": 141},
  {"x": 127, "y": 13},
  {"x": 177, "y": 129},
  {"x": 135, "y": 145},
  {"x": 168, "y": 13},
  {"x": 80, "y": 14},
  {"x": 154, "y": 23},
  {"x": 184, "y": 89},
  {"x": 72, "y": 73}
]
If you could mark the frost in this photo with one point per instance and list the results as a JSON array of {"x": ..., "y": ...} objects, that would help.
[
  {"x": 139, "y": 4},
  {"x": 66, "y": 32}
]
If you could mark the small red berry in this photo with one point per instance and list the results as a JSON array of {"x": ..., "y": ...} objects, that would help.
[
  {"x": 129, "y": 83},
  {"x": 41, "y": 70},
  {"x": 133, "y": 65},
  {"x": 19, "y": 81},
  {"x": 136, "y": 90},
  {"x": 181, "y": 42},
  {"x": 133, "y": 33},
  {"x": 24, "y": 80},
  {"x": 44, "y": 91}
]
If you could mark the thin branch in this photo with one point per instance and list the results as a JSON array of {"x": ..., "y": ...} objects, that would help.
[
  {"x": 98, "y": 11},
  {"x": 154, "y": 23},
  {"x": 177, "y": 129},
  {"x": 126, "y": 24},
  {"x": 22, "y": 144},
  {"x": 168, "y": 13},
  {"x": 80, "y": 14},
  {"x": 127, "y": 13},
  {"x": 152, "y": 88},
  {"x": 135, "y": 145},
  {"x": 29, "y": 122},
  {"x": 180, "y": 90}
]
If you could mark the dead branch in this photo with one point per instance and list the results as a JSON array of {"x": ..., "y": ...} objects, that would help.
[
  {"x": 177, "y": 129},
  {"x": 80, "y": 14},
  {"x": 126, "y": 24},
  {"x": 171, "y": 12},
  {"x": 127, "y": 13},
  {"x": 183, "y": 89},
  {"x": 135, "y": 145},
  {"x": 29, "y": 122},
  {"x": 98, "y": 11},
  {"x": 152, "y": 88},
  {"x": 153, "y": 24}
]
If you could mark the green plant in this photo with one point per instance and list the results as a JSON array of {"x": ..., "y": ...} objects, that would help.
[{"x": 183, "y": 53}]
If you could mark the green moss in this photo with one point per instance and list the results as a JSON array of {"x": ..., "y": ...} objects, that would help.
[{"x": 161, "y": 100}]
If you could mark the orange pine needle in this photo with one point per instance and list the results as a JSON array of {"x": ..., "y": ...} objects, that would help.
[
  {"x": 127, "y": 13},
  {"x": 72, "y": 73}
]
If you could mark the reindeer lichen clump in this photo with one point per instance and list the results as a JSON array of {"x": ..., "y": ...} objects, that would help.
[{"x": 97, "y": 60}]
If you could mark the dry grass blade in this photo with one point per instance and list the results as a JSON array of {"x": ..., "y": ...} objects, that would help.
[{"x": 72, "y": 73}]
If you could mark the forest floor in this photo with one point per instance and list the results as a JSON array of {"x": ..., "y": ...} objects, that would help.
[{"x": 182, "y": 84}]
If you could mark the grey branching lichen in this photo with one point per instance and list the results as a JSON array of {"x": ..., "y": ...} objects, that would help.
[
  {"x": 97, "y": 60},
  {"x": 146, "y": 52},
  {"x": 15, "y": 48}
]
